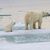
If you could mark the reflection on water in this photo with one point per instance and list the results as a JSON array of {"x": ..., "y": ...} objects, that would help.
[{"x": 26, "y": 38}]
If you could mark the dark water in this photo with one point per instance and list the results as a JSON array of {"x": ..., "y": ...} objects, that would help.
[{"x": 26, "y": 38}]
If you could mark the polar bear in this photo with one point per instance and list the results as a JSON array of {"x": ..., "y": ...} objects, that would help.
[
  {"x": 8, "y": 27},
  {"x": 32, "y": 17},
  {"x": 8, "y": 24}
]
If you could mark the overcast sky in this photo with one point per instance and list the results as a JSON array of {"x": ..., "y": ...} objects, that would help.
[
  {"x": 25, "y": 3},
  {"x": 15, "y": 5}
]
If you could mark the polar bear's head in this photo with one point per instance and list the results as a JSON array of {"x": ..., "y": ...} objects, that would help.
[{"x": 45, "y": 14}]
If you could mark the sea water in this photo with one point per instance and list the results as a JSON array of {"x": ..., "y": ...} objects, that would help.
[{"x": 26, "y": 38}]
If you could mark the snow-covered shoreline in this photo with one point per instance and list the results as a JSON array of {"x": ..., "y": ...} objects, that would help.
[{"x": 19, "y": 32}]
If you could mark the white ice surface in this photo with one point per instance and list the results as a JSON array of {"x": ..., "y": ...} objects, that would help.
[
  {"x": 18, "y": 32},
  {"x": 29, "y": 46}
]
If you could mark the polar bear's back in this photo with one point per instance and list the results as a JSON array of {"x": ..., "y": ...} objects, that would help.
[
  {"x": 33, "y": 16},
  {"x": 36, "y": 16}
]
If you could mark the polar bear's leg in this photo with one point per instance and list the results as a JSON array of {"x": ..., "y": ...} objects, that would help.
[
  {"x": 31, "y": 25},
  {"x": 34, "y": 26},
  {"x": 26, "y": 26},
  {"x": 39, "y": 24}
]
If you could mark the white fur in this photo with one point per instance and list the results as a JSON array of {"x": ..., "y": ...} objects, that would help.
[
  {"x": 32, "y": 17},
  {"x": 8, "y": 23}
]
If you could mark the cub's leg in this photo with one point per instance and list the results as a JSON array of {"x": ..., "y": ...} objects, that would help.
[{"x": 8, "y": 28}]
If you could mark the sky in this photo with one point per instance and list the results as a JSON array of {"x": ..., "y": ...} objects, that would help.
[
  {"x": 25, "y": 3},
  {"x": 15, "y": 5}
]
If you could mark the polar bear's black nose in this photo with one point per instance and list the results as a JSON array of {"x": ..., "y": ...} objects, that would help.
[{"x": 48, "y": 14}]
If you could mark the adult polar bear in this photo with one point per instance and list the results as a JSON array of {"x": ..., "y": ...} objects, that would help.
[
  {"x": 33, "y": 17},
  {"x": 8, "y": 23}
]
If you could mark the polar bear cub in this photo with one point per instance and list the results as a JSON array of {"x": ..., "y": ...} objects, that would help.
[
  {"x": 8, "y": 24},
  {"x": 32, "y": 17}
]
